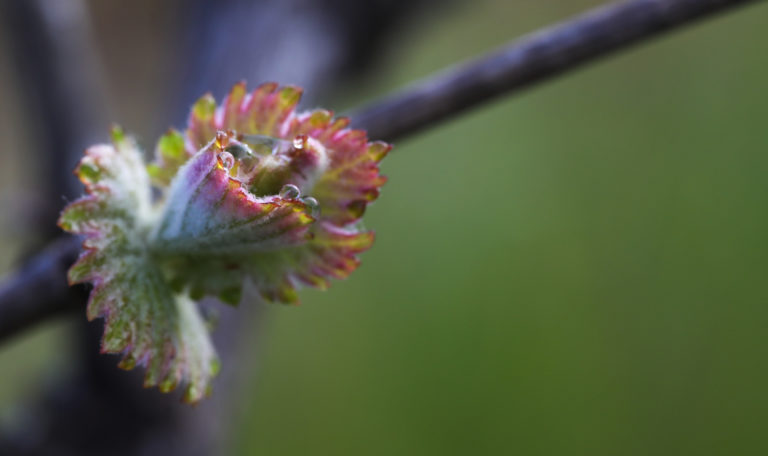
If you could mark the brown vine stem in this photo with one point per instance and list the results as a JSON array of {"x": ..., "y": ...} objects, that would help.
[
  {"x": 534, "y": 58},
  {"x": 38, "y": 290}
]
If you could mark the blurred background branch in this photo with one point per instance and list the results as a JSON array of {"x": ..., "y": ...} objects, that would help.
[
  {"x": 39, "y": 289},
  {"x": 532, "y": 59},
  {"x": 61, "y": 74}
]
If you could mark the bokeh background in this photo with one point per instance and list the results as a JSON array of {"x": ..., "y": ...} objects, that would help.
[{"x": 578, "y": 269}]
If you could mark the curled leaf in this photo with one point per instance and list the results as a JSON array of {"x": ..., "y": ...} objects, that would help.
[
  {"x": 251, "y": 193},
  {"x": 144, "y": 319}
]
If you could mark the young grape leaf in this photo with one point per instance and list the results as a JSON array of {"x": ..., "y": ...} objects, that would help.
[
  {"x": 251, "y": 193},
  {"x": 144, "y": 319}
]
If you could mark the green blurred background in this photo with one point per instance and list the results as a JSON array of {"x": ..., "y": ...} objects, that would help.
[{"x": 579, "y": 269}]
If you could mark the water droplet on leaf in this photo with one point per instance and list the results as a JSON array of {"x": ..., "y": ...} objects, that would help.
[
  {"x": 221, "y": 139},
  {"x": 239, "y": 150},
  {"x": 300, "y": 141},
  {"x": 312, "y": 204},
  {"x": 247, "y": 165},
  {"x": 290, "y": 191},
  {"x": 227, "y": 160},
  {"x": 266, "y": 145}
]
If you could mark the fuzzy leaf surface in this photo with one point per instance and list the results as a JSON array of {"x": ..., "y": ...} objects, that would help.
[
  {"x": 252, "y": 195},
  {"x": 144, "y": 319}
]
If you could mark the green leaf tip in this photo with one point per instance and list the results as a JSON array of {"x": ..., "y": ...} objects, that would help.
[
  {"x": 252, "y": 192},
  {"x": 171, "y": 154}
]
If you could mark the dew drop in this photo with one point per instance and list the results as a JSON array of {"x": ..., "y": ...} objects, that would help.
[
  {"x": 227, "y": 160},
  {"x": 221, "y": 139},
  {"x": 247, "y": 165},
  {"x": 239, "y": 150},
  {"x": 267, "y": 145},
  {"x": 290, "y": 191},
  {"x": 312, "y": 204},
  {"x": 299, "y": 141}
]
